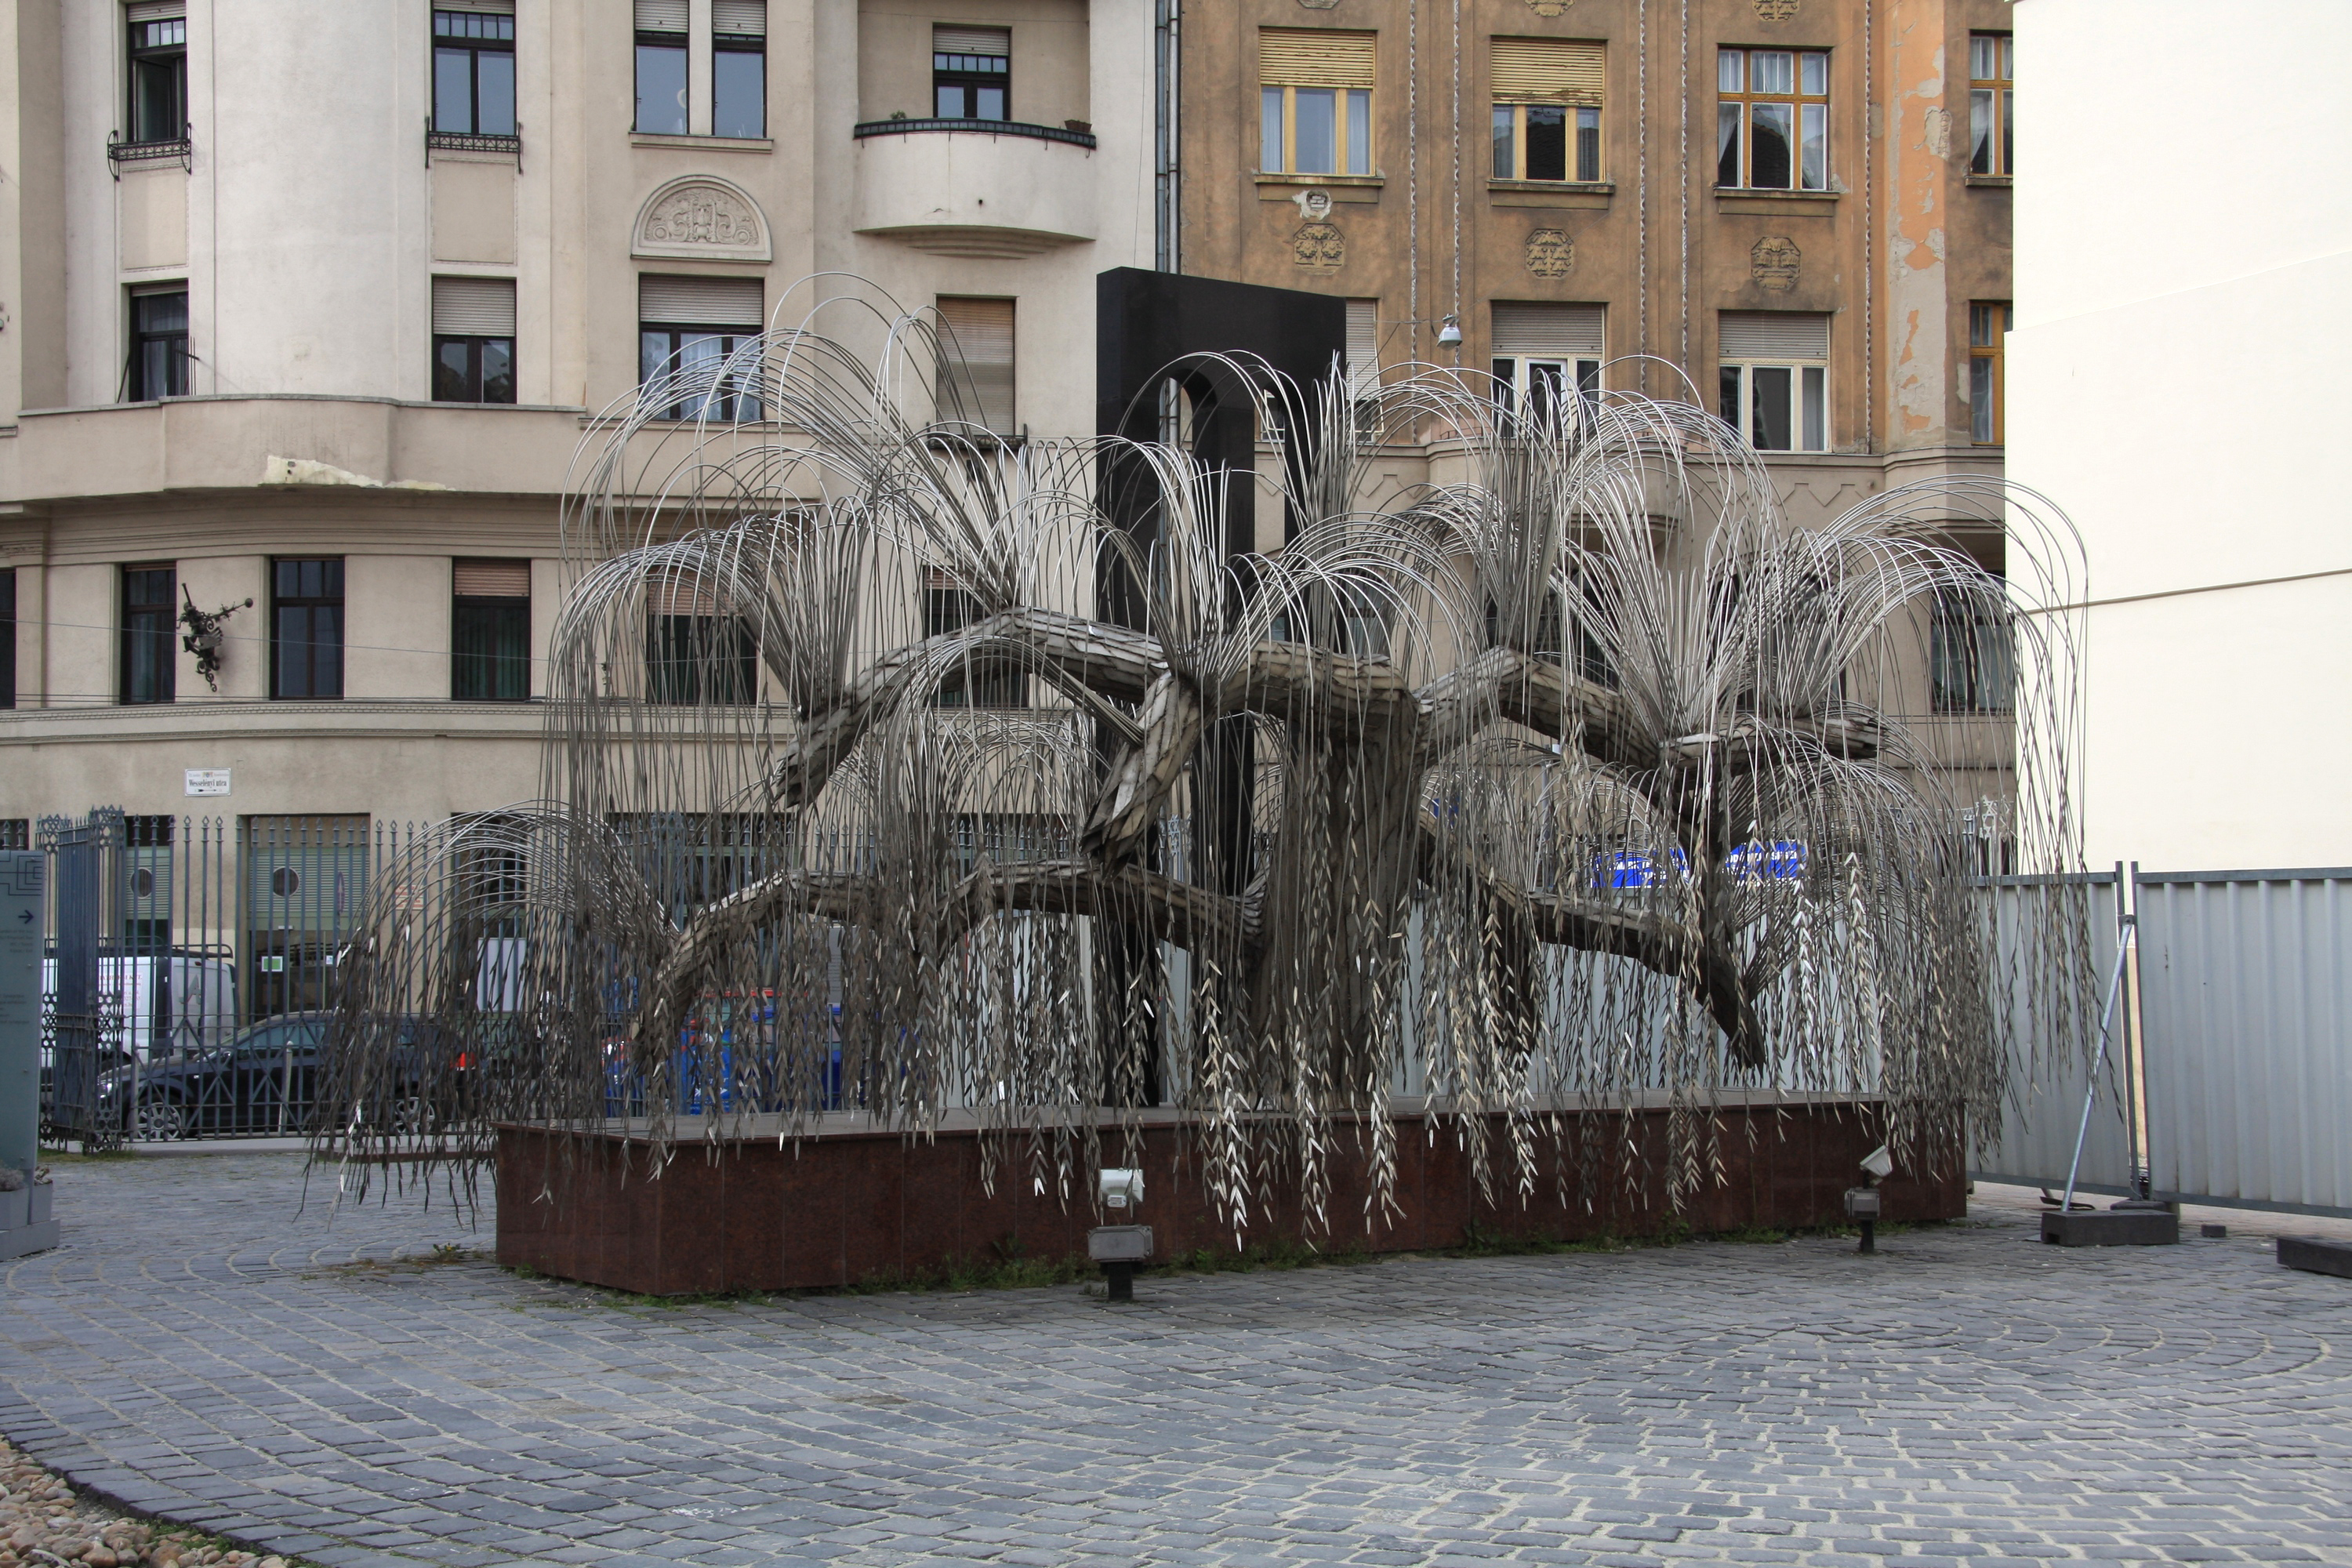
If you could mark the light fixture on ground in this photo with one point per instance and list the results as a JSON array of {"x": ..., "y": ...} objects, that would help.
[
  {"x": 1120, "y": 1249},
  {"x": 1862, "y": 1201}
]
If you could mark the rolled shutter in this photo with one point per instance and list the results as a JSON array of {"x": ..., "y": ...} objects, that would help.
[
  {"x": 1550, "y": 331},
  {"x": 1548, "y": 71},
  {"x": 661, "y": 16},
  {"x": 492, "y": 579},
  {"x": 700, "y": 301},
  {"x": 973, "y": 41},
  {"x": 682, "y": 592},
  {"x": 1314, "y": 57},
  {"x": 1363, "y": 345},
  {"x": 474, "y": 307},
  {"x": 157, "y": 10},
  {"x": 976, "y": 360},
  {"x": 739, "y": 16},
  {"x": 1774, "y": 334},
  {"x": 486, "y": 7}
]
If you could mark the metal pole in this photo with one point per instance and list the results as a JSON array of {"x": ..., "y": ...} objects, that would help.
[
  {"x": 2106, "y": 1015},
  {"x": 2143, "y": 1176}
]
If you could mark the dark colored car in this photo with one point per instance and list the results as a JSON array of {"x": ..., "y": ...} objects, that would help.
[{"x": 265, "y": 1081}]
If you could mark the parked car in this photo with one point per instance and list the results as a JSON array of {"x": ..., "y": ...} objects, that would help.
[{"x": 267, "y": 1080}]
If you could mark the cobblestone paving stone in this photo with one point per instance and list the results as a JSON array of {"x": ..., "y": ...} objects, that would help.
[{"x": 203, "y": 1350}]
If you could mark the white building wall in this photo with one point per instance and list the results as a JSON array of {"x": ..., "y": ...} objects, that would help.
[{"x": 2176, "y": 382}]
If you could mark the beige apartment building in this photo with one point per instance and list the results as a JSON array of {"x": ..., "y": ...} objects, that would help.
[
  {"x": 1793, "y": 212},
  {"x": 307, "y": 309}
]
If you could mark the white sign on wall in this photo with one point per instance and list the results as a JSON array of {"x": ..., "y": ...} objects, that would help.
[{"x": 208, "y": 780}]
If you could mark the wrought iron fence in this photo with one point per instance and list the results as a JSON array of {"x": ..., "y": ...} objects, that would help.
[{"x": 189, "y": 965}]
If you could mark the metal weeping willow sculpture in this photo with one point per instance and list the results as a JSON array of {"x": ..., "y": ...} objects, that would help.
[{"x": 901, "y": 771}]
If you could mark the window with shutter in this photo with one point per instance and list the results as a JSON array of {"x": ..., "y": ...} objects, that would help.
[
  {"x": 975, "y": 363},
  {"x": 739, "y": 68},
  {"x": 489, "y": 646},
  {"x": 473, "y": 340},
  {"x": 692, "y": 337},
  {"x": 1547, "y": 109},
  {"x": 662, "y": 106},
  {"x": 1543, "y": 353},
  {"x": 1314, "y": 100},
  {"x": 971, "y": 73},
  {"x": 1773, "y": 384}
]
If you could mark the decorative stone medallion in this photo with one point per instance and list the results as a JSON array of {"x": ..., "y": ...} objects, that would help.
[
  {"x": 1314, "y": 205},
  {"x": 702, "y": 218},
  {"x": 1550, "y": 7},
  {"x": 1319, "y": 5},
  {"x": 1550, "y": 253},
  {"x": 1777, "y": 10},
  {"x": 1773, "y": 261},
  {"x": 1320, "y": 245}
]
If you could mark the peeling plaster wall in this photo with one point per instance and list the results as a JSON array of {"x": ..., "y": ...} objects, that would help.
[{"x": 2177, "y": 386}]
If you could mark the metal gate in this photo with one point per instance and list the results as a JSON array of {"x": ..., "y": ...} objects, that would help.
[
  {"x": 189, "y": 964},
  {"x": 84, "y": 1033}
]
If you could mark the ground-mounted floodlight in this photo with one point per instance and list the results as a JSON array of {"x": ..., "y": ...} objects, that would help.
[
  {"x": 1120, "y": 1249},
  {"x": 1862, "y": 1201}
]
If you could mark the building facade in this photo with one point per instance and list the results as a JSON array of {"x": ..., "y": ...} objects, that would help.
[
  {"x": 1794, "y": 211},
  {"x": 2207, "y": 665},
  {"x": 307, "y": 309}
]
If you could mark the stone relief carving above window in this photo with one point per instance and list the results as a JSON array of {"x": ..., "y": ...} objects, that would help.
[
  {"x": 1777, "y": 10},
  {"x": 701, "y": 218},
  {"x": 1550, "y": 7}
]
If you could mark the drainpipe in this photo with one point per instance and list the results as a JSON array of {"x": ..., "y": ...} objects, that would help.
[{"x": 1166, "y": 130}]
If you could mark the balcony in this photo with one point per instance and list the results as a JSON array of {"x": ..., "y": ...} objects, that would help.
[{"x": 970, "y": 187}]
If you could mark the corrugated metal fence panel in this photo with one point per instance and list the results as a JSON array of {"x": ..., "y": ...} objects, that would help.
[
  {"x": 2037, "y": 1131},
  {"x": 2245, "y": 992},
  {"x": 2248, "y": 990}
]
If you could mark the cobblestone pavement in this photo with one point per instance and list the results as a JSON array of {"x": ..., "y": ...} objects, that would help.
[{"x": 203, "y": 1350}]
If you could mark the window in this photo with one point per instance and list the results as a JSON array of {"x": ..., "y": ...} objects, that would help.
[
  {"x": 979, "y": 682},
  {"x": 1992, "y": 103},
  {"x": 1969, "y": 657},
  {"x": 971, "y": 73},
  {"x": 661, "y": 68},
  {"x": 8, "y": 638},
  {"x": 1988, "y": 329},
  {"x": 1547, "y": 109},
  {"x": 693, "y": 655},
  {"x": 1772, "y": 122},
  {"x": 1543, "y": 350},
  {"x": 159, "y": 74},
  {"x": 739, "y": 68},
  {"x": 473, "y": 340},
  {"x": 306, "y": 628},
  {"x": 489, "y": 632},
  {"x": 688, "y": 331},
  {"x": 1774, "y": 384},
  {"x": 473, "y": 73},
  {"x": 150, "y": 613},
  {"x": 1315, "y": 114},
  {"x": 975, "y": 363},
  {"x": 159, "y": 344}
]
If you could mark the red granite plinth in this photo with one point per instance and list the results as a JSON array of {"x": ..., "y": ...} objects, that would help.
[{"x": 853, "y": 1206}]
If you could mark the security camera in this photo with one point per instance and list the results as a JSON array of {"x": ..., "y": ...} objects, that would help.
[
  {"x": 1120, "y": 1188},
  {"x": 1879, "y": 1163}
]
